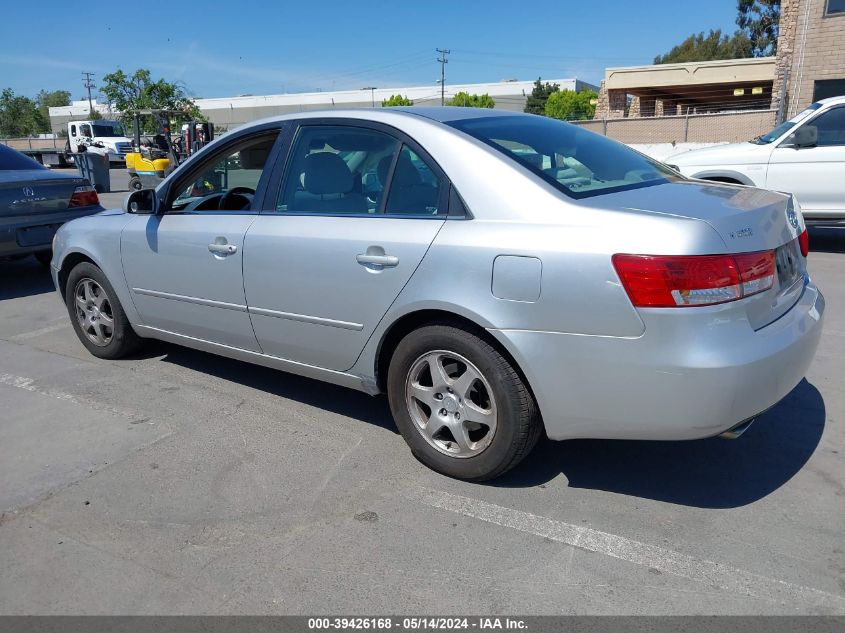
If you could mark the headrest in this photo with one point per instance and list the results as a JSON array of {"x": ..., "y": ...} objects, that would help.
[
  {"x": 326, "y": 173},
  {"x": 405, "y": 175},
  {"x": 255, "y": 157}
]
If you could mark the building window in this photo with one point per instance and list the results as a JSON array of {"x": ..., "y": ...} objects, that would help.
[
  {"x": 835, "y": 7},
  {"x": 825, "y": 88}
]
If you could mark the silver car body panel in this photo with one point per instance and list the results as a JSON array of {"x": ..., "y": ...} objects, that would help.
[{"x": 597, "y": 366}]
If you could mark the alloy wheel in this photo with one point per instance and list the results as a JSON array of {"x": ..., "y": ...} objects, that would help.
[
  {"x": 451, "y": 403},
  {"x": 94, "y": 311}
]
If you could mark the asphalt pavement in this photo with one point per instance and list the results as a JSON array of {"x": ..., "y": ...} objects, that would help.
[{"x": 178, "y": 482}]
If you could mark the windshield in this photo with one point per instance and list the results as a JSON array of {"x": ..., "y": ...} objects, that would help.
[
  {"x": 577, "y": 162},
  {"x": 112, "y": 129},
  {"x": 783, "y": 128}
]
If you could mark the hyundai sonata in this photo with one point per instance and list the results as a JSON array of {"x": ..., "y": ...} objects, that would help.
[{"x": 497, "y": 275}]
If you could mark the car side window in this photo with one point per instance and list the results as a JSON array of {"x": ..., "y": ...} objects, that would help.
[
  {"x": 227, "y": 181},
  {"x": 337, "y": 170},
  {"x": 414, "y": 188},
  {"x": 831, "y": 127}
]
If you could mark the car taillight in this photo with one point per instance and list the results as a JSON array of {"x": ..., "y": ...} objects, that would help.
[
  {"x": 670, "y": 281},
  {"x": 84, "y": 196},
  {"x": 804, "y": 243}
]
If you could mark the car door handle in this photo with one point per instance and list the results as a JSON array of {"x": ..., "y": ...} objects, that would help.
[
  {"x": 223, "y": 249},
  {"x": 387, "y": 261}
]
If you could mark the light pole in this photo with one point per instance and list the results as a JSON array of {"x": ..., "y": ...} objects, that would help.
[{"x": 372, "y": 90}]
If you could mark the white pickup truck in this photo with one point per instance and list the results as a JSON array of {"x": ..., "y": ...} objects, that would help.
[
  {"x": 109, "y": 133},
  {"x": 804, "y": 156}
]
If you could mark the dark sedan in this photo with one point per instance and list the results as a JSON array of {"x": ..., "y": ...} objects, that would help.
[{"x": 34, "y": 202}]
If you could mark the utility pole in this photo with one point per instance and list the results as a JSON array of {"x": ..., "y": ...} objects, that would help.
[
  {"x": 443, "y": 61},
  {"x": 89, "y": 83}
]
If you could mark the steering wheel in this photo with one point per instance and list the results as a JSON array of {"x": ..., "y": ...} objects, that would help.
[{"x": 243, "y": 192}]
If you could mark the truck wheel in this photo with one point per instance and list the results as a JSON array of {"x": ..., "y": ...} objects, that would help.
[{"x": 135, "y": 184}]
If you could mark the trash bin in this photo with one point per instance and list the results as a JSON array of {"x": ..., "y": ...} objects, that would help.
[{"x": 94, "y": 167}]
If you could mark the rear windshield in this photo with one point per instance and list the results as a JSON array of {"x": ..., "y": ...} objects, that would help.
[
  {"x": 577, "y": 162},
  {"x": 10, "y": 159}
]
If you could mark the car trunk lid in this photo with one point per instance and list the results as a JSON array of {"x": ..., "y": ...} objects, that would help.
[
  {"x": 747, "y": 219},
  {"x": 35, "y": 192}
]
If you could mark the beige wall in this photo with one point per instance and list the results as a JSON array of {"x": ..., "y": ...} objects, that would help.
[{"x": 699, "y": 128}]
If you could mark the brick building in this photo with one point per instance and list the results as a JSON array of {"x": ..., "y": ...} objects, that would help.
[
  {"x": 811, "y": 52},
  {"x": 810, "y": 59}
]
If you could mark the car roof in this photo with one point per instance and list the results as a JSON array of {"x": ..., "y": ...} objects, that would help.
[
  {"x": 839, "y": 99},
  {"x": 436, "y": 114},
  {"x": 452, "y": 113}
]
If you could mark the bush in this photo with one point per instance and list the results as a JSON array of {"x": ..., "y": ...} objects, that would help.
[{"x": 568, "y": 105}]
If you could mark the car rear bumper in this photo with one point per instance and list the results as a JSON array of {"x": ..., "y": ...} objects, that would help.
[
  {"x": 21, "y": 235},
  {"x": 685, "y": 378}
]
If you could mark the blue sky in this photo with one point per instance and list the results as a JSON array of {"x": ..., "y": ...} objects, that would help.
[{"x": 242, "y": 46}]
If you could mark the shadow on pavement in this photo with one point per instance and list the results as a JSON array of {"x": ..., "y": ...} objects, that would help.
[
  {"x": 827, "y": 239},
  {"x": 340, "y": 400},
  {"x": 24, "y": 278},
  {"x": 711, "y": 473}
]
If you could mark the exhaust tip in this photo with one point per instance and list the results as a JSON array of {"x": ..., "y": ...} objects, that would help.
[{"x": 734, "y": 432}]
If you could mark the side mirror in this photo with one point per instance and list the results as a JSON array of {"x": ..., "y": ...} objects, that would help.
[
  {"x": 141, "y": 202},
  {"x": 804, "y": 136}
]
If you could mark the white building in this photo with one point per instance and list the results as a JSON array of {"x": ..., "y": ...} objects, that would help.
[
  {"x": 230, "y": 111},
  {"x": 227, "y": 112}
]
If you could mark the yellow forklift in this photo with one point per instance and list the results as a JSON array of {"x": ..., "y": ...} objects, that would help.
[{"x": 154, "y": 159}]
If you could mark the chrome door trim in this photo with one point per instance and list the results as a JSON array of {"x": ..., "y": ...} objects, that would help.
[
  {"x": 197, "y": 300},
  {"x": 305, "y": 318}
]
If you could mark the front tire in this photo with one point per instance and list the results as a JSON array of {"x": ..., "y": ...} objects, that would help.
[
  {"x": 135, "y": 184},
  {"x": 96, "y": 314},
  {"x": 461, "y": 406}
]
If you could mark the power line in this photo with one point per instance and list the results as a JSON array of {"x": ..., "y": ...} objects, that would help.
[
  {"x": 443, "y": 61},
  {"x": 89, "y": 83}
]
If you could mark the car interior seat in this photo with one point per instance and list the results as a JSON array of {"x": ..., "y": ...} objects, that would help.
[{"x": 329, "y": 185}]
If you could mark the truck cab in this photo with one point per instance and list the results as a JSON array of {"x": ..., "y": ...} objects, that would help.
[{"x": 109, "y": 133}]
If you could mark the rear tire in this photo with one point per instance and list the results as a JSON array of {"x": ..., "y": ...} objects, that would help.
[
  {"x": 135, "y": 184},
  {"x": 461, "y": 406},
  {"x": 96, "y": 314}
]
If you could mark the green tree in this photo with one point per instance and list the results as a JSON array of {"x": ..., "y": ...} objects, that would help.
[
  {"x": 536, "y": 101},
  {"x": 714, "y": 45},
  {"x": 47, "y": 99},
  {"x": 139, "y": 92},
  {"x": 569, "y": 105},
  {"x": 466, "y": 100},
  {"x": 19, "y": 116},
  {"x": 759, "y": 20},
  {"x": 396, "y": 100}
]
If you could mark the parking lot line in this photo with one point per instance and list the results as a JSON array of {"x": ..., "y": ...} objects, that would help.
[
  {"x": 731, "y": 579},
  {"x": 61, "y": 324},
  {"x": 29, "y": 384}
]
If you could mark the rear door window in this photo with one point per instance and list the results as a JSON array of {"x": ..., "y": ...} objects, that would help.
[
  {"x": 414, "y": 187},
  {"x": 337, "y": 170}
]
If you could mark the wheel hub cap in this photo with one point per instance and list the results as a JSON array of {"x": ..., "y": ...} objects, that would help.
[
  {"x": 451, "y": 404},
  {"x": 94, "y": 312}
]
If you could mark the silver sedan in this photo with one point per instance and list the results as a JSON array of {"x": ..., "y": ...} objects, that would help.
[{"x": 497, "y": 275}]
